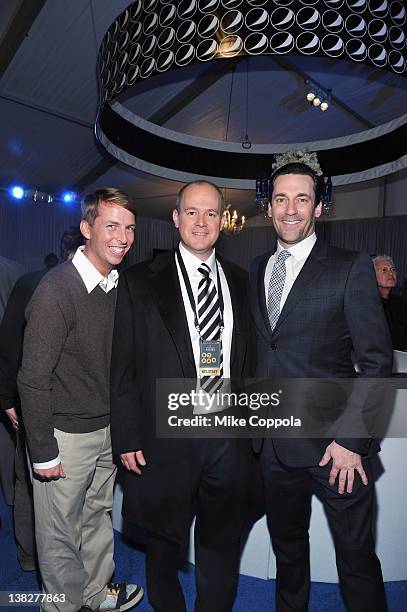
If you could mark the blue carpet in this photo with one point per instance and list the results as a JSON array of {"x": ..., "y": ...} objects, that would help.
[{"x": 254, "y": 595}]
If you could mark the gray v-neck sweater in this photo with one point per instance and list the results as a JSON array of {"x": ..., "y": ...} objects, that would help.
[{"x": 64, "y": 377}]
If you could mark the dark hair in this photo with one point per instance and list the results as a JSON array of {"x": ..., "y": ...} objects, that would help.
[
  {"x": 106, "y": 195},
  {"x": 51, "y": 260},
  {"x": 181, "y": 192},
  {"x": 71, "y": 239},
  {"x": 300, "y": 168}
]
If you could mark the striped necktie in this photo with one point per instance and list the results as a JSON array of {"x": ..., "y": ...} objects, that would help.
[
  {"x": 209, "y": 322},
  {"x": 276, "y": 286}
]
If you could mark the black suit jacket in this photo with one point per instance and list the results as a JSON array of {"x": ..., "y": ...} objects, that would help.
[
  {"x": 151, "y": 340},
  {"x": 395, "y": 309},
  {"x": 332, "y": 310},
  {"x": 12, "y": 336}
]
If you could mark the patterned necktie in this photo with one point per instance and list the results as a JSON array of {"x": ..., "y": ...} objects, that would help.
[
  {"x": 276, "y": 286},
  {"x": 209, "y": 322}
]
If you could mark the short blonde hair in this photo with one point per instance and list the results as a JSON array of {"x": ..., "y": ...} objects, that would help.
[{"x": 106, "y": 195}]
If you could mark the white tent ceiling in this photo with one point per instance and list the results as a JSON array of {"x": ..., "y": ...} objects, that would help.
[{"x": 48, "y": 102}]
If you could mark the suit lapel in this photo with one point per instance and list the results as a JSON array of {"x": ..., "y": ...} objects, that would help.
[
  {"x": 309, "y": 273},
  {"x": 239, "y": 315},
  {"x": 166, "y": 290}
]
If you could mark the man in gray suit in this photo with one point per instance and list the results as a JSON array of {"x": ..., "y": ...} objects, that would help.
[{"x": 313, "y": 304}]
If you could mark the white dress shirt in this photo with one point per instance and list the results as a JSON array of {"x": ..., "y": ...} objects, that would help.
[
  {"x": 91, "y": 279},
  {"x": 299, "y": 255}
]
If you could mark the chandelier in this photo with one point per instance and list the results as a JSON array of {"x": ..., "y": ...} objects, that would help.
[{"x": 232, "y": 224}]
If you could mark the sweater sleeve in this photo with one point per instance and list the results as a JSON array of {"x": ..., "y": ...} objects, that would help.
[{"x": 44, "y": 338}]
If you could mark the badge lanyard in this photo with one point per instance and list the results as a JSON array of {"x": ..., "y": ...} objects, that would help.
[{"x": 210, "y": 350}]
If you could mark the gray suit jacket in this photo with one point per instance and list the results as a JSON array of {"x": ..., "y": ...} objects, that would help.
[{"x": 332, "y": 310}]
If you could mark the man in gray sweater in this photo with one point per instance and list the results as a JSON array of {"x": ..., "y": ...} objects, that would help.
[{"x": 64, "y": 390}]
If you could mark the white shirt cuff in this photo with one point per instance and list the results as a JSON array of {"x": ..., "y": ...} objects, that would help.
[{"x": 47, "y": 464}]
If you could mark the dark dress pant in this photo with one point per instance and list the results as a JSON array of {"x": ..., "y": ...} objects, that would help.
[
  {"x": 221, "y": 470},
  {"x": 288, "y": 494},
  {"x": 7, "y": 452},
  {"x": 24, "y": 506}
]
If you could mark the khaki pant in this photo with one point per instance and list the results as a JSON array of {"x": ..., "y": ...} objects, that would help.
[{"x": 73, "y": 524}]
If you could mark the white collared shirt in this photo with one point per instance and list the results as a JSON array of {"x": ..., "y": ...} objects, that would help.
[
  {"x": 299, "y": 255},
  {"x": 92, "y": 277},
  {"x": 192, "y": 263}
]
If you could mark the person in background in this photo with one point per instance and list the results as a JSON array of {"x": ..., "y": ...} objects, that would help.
[
  {"x": 63, "y": 385},
  {"x": 395, "y": 307},
  {"x": 51, "y": 260},
  {"x": 10, "y": 272},
  {"x": 11, "y": 349}
]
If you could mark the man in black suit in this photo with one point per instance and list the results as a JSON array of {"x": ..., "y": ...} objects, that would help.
[
  {"x": 313, "y": 304},
  {"x": 158, "y": 334}
]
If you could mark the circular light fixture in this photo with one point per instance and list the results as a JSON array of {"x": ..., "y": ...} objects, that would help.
[
  {"x": 220, "y": 32},
  {"x": 324, "y": 105}
]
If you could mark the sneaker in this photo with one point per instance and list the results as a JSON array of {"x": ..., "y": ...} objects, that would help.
[{"x": 121, "y": 596}]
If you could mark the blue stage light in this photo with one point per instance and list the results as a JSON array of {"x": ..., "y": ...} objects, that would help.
[
  {"x": 17, "y": 192},
  {"x": 68, "y": 197}
]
